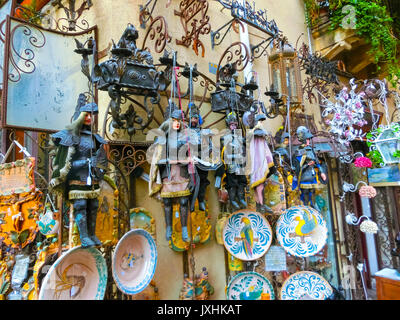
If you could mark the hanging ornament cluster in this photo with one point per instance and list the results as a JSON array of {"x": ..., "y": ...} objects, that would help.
[{"x": 345, "y": 114}]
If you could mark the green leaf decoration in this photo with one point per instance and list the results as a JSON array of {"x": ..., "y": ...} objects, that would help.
[
  {"x": 23, "y": 236},
  {"x": 14, "y": 237}
]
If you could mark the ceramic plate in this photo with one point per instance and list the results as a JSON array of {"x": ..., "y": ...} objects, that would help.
[
  {"x": 249, "y": 286},
  {"x": 305, "y": 285},
  {"x": 302, "y": 231},
  {"x": 134, "y": 261},
  {"x": 78, "y": 274},
  {"x": 247, "y": 235}
]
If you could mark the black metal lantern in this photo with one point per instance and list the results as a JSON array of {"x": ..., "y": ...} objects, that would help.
[{"x": 285, "y": 73}]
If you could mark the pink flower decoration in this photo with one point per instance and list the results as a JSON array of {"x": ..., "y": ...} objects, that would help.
[
  {"x": 367, "y": 192},
  {"x": 363, "y": 162}
]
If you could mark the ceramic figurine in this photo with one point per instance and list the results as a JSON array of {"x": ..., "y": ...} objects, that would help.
[
  {"x": 261, "y": 162},
  {"x": 171, "y": 173},
  {"x": 203, "y": 289},
  {"x": 79, "y": 166},
  {"x": 186, "y": 292},
  {"x": 233, "y": 155},
  {"x": 306, "y": 163}
]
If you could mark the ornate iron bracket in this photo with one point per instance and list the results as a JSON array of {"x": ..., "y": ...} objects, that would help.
[
  {"x": 248, "y": 14},
  {"x": 72, "y": 14},
  {"x": 145, "y": 13},
  {"x": 321, "y": 72},
  {"x": 194, "y": 13}
]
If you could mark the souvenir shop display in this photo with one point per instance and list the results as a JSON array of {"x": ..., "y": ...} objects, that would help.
[{"x": 84, "y": 217}]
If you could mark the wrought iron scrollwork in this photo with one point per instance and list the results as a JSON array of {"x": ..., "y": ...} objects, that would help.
[
  {"x": 158, "y": 32},
  {"x": 195, "y": 22},
  {"x": 21, "y": 60},
  {"x": 321, "y": 73},
  {"x": 246, "y": 13},
  {"x": 71, "y": 23}
]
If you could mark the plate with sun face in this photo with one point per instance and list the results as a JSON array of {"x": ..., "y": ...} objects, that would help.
[
  {"x": 302, "y": 231},
  {"x": 247, "y": 235},
  {"x": 78, "y": 274},
  {"x": 134, "y": 261}
]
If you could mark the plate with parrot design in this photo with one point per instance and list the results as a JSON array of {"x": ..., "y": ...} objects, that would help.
[
  {"x": 302, "y": 231},
  {"x": 250, "y": 286},
  {"x": 247, "y": 235},
  {"x": 305, "y": 285}
]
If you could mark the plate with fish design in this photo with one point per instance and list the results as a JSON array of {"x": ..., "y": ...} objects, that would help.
[
  {"x": 302, "y": 231},
  {"x": 247, "y": 235}
]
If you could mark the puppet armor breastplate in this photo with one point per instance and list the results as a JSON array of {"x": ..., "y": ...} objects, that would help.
[
  {"x": 234, "y": 153},
  {"x": 85, "y": 150}
]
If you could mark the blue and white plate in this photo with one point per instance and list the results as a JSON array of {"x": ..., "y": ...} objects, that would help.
[
  {"x": 249, "y": 286},
  {"x": 306, "y": 285},
  {"x": 247, "y": 235},
  {"x": 134, "y": 261},
  {"x": 302, "y": 231},
  {"x": 78, "y": 274}
]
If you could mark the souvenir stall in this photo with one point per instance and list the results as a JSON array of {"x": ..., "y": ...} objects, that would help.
[{"x": 145, "y": 177}]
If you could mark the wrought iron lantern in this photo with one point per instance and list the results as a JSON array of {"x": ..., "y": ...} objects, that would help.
[
  {"x": 227, "y": 97},
  {"x": 386, "y": 141},
  {"x": 285, "y": 75},
  {"x": 128, "y": 73}
]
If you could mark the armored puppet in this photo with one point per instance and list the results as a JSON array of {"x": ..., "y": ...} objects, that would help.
[
  {"x": 78, "y": 167},
  {"x": 233, "y": 156},
  {"x": 310, "y": 174},
  {"x": 201, "y": 146},
  {"x": 169, "y": 172}
]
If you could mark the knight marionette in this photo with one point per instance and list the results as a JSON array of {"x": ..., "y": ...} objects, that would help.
[
  {"x": 171, "y": 173},
  {"x": 78, "y": 167},
  {"x": 201, "y": 146},
  {"x": 233, "y": 156},
  {"x": 310, "y": 174}
]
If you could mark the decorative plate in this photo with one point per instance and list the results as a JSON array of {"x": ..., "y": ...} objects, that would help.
[
  {"x": 305, "y": 285},
  {"x": 247, "y": 235},
  {"x": 134, "y": 261},
  {"x": 302, "y": 231},
  {"x": 79, "y": 274},
  {"x": 249, "y": 286}
]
